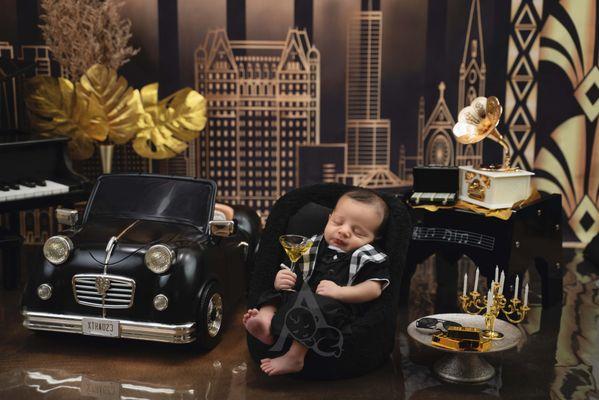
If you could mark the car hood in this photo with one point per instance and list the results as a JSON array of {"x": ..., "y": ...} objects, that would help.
[{"x": 131, "y": 233}]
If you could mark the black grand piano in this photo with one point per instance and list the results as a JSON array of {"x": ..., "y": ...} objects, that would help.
[{"x": 35, "y": 172}]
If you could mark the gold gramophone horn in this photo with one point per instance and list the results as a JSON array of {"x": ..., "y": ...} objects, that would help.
[{"x": 478, "y": 121}]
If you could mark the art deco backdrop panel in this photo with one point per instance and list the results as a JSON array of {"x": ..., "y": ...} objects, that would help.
[
  {"x": 567, "y": 159},
  {"x": 143, "y": 68},
  {"x": 196, "y": 19},
  {"x": 330, "y": 35},
  {"x": 8, "y": 22},
  {"x": 268, "y": 19},
  {"x": 360, "y": 91},
  {"x": 403, "y": 70}
]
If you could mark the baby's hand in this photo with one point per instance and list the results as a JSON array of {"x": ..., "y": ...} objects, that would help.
[
  {"x": 285, "y": 280},
  {"x": 328, "y": 289}
]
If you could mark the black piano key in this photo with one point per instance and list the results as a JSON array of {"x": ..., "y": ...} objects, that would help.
[
  {"x": 27, "y": 182},
  {"x": 39, "y": 182},
  {"x": 4, "y": 188},
  {"x": 49, "y": 153},
  {"x": 12, "y": 185}
]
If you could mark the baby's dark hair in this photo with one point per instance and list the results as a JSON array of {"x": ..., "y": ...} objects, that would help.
[{"x": 370, "y": 197}]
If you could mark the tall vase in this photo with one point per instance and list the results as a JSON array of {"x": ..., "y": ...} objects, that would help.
[{"x": 106, "y": 153}]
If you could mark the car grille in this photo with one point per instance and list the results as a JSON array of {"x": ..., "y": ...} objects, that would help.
[{"x": 87, "y": 290}]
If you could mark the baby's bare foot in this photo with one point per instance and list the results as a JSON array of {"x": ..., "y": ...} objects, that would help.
[
  {"x": 250, "y": 313},
  {"x": 286, "y": 364},
  {"x": 258, "y": 325}
]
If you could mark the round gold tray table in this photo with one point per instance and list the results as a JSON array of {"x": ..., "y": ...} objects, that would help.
[{"x": 467, "y": 366}]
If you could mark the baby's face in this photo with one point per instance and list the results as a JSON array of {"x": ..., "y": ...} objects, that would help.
[{"x": 352, "y": 224}]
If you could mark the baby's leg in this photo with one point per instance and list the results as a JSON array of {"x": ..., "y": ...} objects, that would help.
[
  {"x": 257, "y": 322},
  {"x": 292, "y": 361}
]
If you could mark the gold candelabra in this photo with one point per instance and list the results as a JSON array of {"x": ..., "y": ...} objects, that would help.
[{"x": 475, "y": 303}]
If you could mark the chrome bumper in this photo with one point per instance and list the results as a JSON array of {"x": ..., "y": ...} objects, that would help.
[{"x": 184, "y": 333}]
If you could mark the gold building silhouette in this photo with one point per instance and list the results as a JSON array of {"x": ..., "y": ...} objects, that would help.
[
  {"x": 41, "y": 56},
  {"x": 473, "y": 73},
  {"x": 263, "y": 102},
  {"x": 435, "y": 136},
  {"x": 368, "y": 137},
  {"x": 7, "y": 50},
  {"x": 436, "y": 144},
  {"x": 8, "y": 94}
]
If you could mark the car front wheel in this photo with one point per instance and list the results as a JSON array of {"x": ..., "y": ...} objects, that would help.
[{"x": 211, "y": 317}]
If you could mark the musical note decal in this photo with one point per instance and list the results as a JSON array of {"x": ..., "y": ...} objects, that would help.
[{"x": 457, "y": 236}]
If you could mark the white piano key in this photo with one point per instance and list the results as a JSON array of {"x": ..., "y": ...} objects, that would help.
[{"x": 25, "y": 192}]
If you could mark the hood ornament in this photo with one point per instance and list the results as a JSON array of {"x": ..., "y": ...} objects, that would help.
[{"x": 102, "y": 285}]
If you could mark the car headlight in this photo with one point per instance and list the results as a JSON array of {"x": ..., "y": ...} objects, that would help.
[
  {"x": 57, "y": 249},
  {"x": 44, "y": 291},
  {"x": 159, "y": 258},
  {"x": 160, "y": 302}
]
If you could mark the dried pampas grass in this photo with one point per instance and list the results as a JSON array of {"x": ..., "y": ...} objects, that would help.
[{"x": 81, "y": 33}]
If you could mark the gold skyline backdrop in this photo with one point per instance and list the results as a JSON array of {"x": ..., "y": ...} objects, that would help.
[{"x": 257, "y": 164}]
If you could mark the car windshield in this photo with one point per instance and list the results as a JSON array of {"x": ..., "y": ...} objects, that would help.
[{"x": 155, "y": 197}]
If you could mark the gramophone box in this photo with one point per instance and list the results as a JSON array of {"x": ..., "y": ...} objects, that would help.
[{"x": 494, "y": 189}]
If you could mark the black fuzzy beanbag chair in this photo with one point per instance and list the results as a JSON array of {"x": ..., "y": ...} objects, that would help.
[{"x": 305, "y": 211}]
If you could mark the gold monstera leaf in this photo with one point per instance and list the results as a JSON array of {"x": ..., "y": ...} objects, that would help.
[
  {"x": 81, "y": 147},
  {"x": 121, "y": 106},
  {"x": 55, "y": 108},
  {"x": 170, "y": 123}
]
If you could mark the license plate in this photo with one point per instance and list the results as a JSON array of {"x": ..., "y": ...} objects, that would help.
[{"x": 100, "y": 327}]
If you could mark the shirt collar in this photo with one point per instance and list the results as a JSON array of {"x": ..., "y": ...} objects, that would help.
[{"x": 337, "y": 249}]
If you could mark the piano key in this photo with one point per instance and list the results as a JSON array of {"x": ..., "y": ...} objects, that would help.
[
  {"x": 21, "y": 193},
  {"x": 11, "y": 185},
  {"x": 56, "y": 188},
  {"x": 17, "y": 149},
  {"x": 27, "y": 182},
  {"x": 24, "y": 192}
]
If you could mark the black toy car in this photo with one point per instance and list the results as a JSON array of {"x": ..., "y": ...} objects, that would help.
[{"x": 148, "y": 261}]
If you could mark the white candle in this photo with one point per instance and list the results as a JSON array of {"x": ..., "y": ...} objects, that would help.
[
  {"x": 526, "y": 295},
  {"x": 516, "y": 290},
  {"x": 489, "y": 300},
  {"x": 476, "y": 280},
  {"x": 465, "y": 285},
  {"x": 501, "y": 282},
  {"x": 497, "y": 273}
]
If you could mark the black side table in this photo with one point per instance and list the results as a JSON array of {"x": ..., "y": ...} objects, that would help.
[{"x": 532, "y": 236}]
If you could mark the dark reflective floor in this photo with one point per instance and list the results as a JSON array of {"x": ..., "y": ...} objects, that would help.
[{"x": 559, "y": 359}]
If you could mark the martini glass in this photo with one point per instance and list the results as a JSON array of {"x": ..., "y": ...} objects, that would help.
[{"x": 295, "y": 246}]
